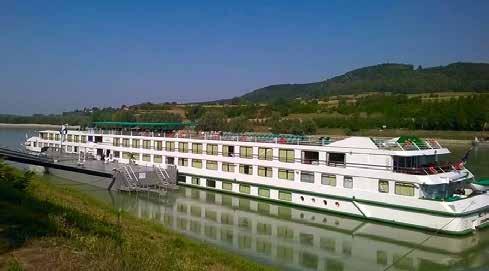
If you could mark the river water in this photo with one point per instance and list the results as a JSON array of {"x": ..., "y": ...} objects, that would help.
[{"x": 293, "y": 238}]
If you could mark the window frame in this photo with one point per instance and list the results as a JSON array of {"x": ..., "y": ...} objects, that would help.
[
  {"x": 286, "y": 158},
  {"x": 380, "y": 186},
  {"x": 265, "y": 171},
  {"x": 196, "y": 162},
  {"x": 212, "y": 149},
  {"x": 246, "y": 152},
  {"x": 265, "y": 153},
  {"x": 242, "y": 167},
  {"x": 289, "y": 174},
  {"x": 211, "y": 162},
  {"x": 197, "y": 148},
  {"x": 329, "y": 178},
  {"x": 350, "y": 181}
]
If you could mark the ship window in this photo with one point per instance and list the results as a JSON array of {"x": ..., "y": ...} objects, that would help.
[
  {"x": 117, "y": 154},
  {"x": 227, "y": 151},
  {"x": 183, "y": 162},
  {"x": 84, "y": 139},
  {"x": 157, "y": 159},
  {"x": 90, "y": 138},
  {"x": 263, "y": 192},
  {"x": 170, "y": 146},
  {"x": 51, "y": 136},
  {"x": 70, "y": 138},
  {"x": 135, "y": 143},
  {"x": 285, "y": 155},
  {"x": 265, "y": 171},
  {"x": 126, "y": 155},
  {"x": 56, "y": 137},
  {"x": 227, "y": 186},
  {"x": 147, "y": 144},
  {"x": 228, "y": 167},
  {"x": 348, "y": 182},
  {"x": 328, "y": 179},
  {"x": 183, "y": 147},
  {"x": 212, "y": 165},
  {"x": 146, "y": 157},
  {"x": 197, "y": 148},
  {"x": 170, "y": 160},
  {"x": 195, "y": 180},
  {"x": 68, "y": 148},
  {"x": 125, "y": 142},
  {"x": 196, "y": 163},
  {"x": 211, "y": 149},
  {"x": 116, "y": 142},
  {"x": 246, "y": 169},
  {"x": 98, "y": 139},
  {"x": 282, "y": 195},
  {"x": 404, "y": 189},
  {"x": 211, "y": 183},
  {"x": 246, "y": 152},
  {"x": 158, "y": 145},
  {"x": 244, "y": 188},
  {"x": 310, "y": 157},
  {"x": 383, "y": 186},
  {"x": 336, "y": 159},
  {"x": 77, "y": 138},
  {"x": 307, "y": 177},
  {"x": 265, "y": 153},
  {"x": 286, "y": 174}
]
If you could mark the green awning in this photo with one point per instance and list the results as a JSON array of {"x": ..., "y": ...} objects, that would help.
[{"x": 415, "y": 139}]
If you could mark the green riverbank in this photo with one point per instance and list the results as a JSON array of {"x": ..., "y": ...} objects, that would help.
[{"x": 47, "y": 227}]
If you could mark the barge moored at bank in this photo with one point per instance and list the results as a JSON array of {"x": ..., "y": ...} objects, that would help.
[{"x": 399, "y": 180}]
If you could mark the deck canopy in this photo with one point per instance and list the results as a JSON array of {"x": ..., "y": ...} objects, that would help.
[{"x": 167, "y": 126}]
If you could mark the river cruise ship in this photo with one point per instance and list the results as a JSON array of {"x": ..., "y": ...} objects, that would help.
[{"x": 405, "y": 181}]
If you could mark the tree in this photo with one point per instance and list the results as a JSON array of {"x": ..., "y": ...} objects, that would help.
[{"x": 211, "y": 121}]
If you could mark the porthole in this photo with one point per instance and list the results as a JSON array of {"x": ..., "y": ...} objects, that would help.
[
  {"x": 325, "y": 202},
  {"x": 337, "y": 204},
  {"x": 302, "y": 215},
  {"x": 313, "y": 218},
  {"x": 325, "y": 220},
  {"x": 302, "y": 198},
  {"x": 313, "y": 200}
]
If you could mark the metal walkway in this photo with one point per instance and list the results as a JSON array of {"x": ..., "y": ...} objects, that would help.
[
  {"x": 26, "y": 158},
  {"x": 125, "y": 177}
]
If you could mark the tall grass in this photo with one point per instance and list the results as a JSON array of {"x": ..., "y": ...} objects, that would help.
[{"x": 76, "y": 232}]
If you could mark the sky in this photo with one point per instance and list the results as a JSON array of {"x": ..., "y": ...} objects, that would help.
[{"x": 62, "y": 55}]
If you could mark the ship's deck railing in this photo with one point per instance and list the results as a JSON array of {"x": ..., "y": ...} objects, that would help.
[
  {"x": 384, "y": 144},
  {"x": 433, "y": 169}
]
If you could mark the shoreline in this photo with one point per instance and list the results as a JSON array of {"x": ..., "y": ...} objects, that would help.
[{"x": 33, "y": 125}]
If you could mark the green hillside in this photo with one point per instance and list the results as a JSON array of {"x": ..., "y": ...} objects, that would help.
[{"x": 396, "y": 78}]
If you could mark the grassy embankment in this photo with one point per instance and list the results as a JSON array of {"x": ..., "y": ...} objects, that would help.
[{"x": 47, "y": 227}]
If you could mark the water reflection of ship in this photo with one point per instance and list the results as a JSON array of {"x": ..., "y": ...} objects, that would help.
[{"x": 294, "y": 238}]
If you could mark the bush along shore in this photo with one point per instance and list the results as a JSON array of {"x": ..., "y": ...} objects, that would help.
[{"x": 48, "y": 227}]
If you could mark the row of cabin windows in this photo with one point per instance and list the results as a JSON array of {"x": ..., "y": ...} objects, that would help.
[
  {"x": 405, "y": 189},
  {"x": 69, "y": 137},
  {"x": 284, "y": 155}
]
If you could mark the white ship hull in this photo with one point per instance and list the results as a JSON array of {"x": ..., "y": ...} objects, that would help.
[{"x": 301, "y": 180}]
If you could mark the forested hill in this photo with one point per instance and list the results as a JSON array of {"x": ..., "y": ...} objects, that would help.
[{"x": 396, "y": 78}]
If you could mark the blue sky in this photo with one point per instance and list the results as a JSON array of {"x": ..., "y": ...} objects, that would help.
[{"x": 62, "y": 55}]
